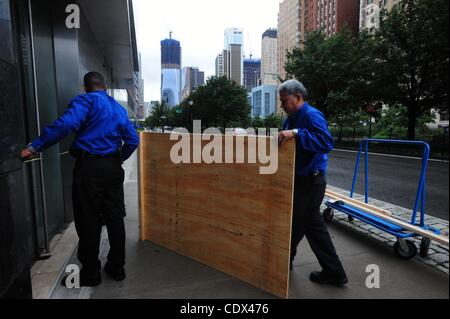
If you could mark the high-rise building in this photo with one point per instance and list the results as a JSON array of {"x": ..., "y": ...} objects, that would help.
[
  {"x": 296, "y": 18},
  {"x": 233, "y": 62},
  {"x": 263, "y": 100},
  {"x": 171, "y": 71},
  {"x": 219, "y": 65},
  {"x": 370, "y": 12},
  {"x": 193, "y": 78},
  {"x": 331, "y": 16},
  {"x": 233, "y": 36},
  {"x": 140, "y": 91},
  {"x": 252, "y": 73},
  {"x": 290, "y": 31},
  {"x": 269, "y": 51}
]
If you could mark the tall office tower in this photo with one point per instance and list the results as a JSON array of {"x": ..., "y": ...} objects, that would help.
[
  {"x": 193, "y": 78},
  {"x": 290, "y": 31},
  {"x": 219, "y": 65},
  {"x": 141, "y": 109},
  {"x": 171, "y": 71},
  {"x": 233, "y": 62},
  {"x": 269, "y": 51},
  {"x": 370, "y": 12},
  {"x": 331, "y": 16},
  {"x": 252, "y": 73}
]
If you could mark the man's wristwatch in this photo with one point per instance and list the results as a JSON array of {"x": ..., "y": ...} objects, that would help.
[
  {"x": 295, "y": 131},
  {"x": 32, "y": 149}
]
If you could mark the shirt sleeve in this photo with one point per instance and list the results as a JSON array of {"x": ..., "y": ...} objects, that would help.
[
  {"x": 317, "y": 138},
  {"x": 69, "y": 122},
  {"x": 130, "y": 139}
]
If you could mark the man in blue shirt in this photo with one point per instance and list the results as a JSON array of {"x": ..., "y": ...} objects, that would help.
[
  {"x": 104, "y": 139},
  {"x": 309, "y": 127}
]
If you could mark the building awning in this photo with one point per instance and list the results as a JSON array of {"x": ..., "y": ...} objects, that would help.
[{"x": 112, "y": 23}]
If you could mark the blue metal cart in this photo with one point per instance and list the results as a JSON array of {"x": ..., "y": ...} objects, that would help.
[{"x": 403, "y": 248}]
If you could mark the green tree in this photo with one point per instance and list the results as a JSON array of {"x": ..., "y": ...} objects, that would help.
[
  {"x": 335, "y": 71},
  {"x": 352, "y": 120},
  {"x": 413, "y": 56},
  {"x": 219, "y": 103},
  {"x": 257, "y": 122},
  {"x": 273, "y": 121},
  {"x": 395, "y": 121},
  {"x": 158, "y": 116}
]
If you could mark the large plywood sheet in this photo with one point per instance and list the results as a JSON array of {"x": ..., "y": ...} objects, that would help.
[{"x": 227, "y": 216}]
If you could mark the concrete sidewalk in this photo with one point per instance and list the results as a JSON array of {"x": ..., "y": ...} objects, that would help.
[{"x": 155, "y": 272}]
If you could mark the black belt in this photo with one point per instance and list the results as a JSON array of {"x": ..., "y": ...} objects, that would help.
[
  {"x": 313, "y": 174},
  {"x": 314, "y": 178},
  {"x": 81, "y": 154}
]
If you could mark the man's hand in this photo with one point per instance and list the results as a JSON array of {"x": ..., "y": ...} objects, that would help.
[
  {"x": 285, "y": 136},
  {"x": 27, "y": 154}
]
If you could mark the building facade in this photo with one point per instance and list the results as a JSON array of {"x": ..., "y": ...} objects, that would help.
[
  {"x": 219, "y": 65},
  {"x": 290, "y": 31},
  {"x": 171, "y": 71},
  {"x": 371, "y": 11},
  {"x": 193, "y": 78},
  {"x": 233, "y": 53},
  {"x": 42, "y": 63},
  {"x": 296, "y": 18},
  {"x": 252, "y": 73},
  {"x": 269, "y": 63},
  {"x": 331, "y": 16},
  {"x": 263, "y": 100}
]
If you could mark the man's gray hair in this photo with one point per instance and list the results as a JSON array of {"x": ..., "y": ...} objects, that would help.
[{"x": 293, "y": 87}]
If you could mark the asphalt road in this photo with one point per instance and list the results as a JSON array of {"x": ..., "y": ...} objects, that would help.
[{"x": 394, "y": 179}]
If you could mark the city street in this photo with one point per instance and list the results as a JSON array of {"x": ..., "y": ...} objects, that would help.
[{"x": 394, "y": 179}]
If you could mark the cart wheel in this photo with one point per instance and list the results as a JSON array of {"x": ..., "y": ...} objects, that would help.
[
  {"x": 425, "y": 247},
  {"x": 351, "y": 219},
  {"x": 408, "y": 253},
  {"x": 328, "y": 215}
]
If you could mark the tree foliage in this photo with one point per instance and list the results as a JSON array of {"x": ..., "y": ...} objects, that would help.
[{"x": 405, "y": 63}]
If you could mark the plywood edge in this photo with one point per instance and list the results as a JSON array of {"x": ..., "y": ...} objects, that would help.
[
  {"x": 293, "y": 155},
  {"x": 415, "y": 229},
  {"x": 356, "y": 202},
  {"x": 141, "y": 190}
]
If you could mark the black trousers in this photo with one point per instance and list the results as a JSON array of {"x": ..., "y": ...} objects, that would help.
[
  {"x": 98, "y": 199},
  {"x": 307, "y": 221}
]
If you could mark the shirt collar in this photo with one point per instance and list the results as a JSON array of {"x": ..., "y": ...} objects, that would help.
[
  {"x": 297, "y": 113},
  {"x": 99, "y": 91}
]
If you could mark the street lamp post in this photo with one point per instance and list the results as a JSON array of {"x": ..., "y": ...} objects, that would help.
[
  {"x": 163, "y": 122},
  {"x": 191, "y": 103}
]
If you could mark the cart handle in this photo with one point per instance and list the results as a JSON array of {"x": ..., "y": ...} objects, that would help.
[{"x": 420, "y": 195}]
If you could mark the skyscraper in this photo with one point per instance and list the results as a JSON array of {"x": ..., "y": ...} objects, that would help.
[
  {"x": 193, "y": 78},
  {"x": 252, "y": 73},
  {"x": 269, "y": 65},
  {"x": 296, "y": 18},
  {"x": 171, "y": 71},
  {"x": 233, "y": 63},
  {"x": 331, "y": 16},
  {"x": 370, "y": 12},
  {"x": 219, "y": 65},
  {"x": 290, "y": 31}
]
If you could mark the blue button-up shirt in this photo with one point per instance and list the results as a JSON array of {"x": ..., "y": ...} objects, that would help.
[
  {"x": 314, "y": 140},
  {"x": 100, "y": 123}
]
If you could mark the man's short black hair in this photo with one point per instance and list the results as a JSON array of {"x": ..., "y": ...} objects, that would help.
[{"x": 94, "y": 79}]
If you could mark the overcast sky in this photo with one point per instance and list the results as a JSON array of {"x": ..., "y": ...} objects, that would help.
[{"x": 199, "y": 26}]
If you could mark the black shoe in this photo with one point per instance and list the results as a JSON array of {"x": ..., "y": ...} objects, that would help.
[
  {"x": 86, "y": 281},
  {"x": 323, "y": 279},
  {"x": 117, "y": 274}
]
